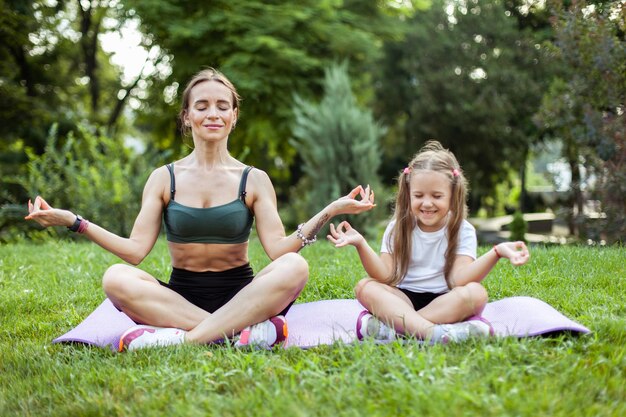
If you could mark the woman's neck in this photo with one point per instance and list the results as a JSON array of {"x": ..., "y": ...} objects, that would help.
[{"x": 210, "y": 155}]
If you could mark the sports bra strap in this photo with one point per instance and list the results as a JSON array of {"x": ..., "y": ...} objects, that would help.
[
  {"x": 242, "y": 184},
  {"x": 170, "y": 168},
  {"x": 244, "y": 180}
]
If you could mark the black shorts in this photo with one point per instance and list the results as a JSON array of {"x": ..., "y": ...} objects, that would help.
[
  {"x": 209, "y": 290},
  {"x": 420, "y": 299}
]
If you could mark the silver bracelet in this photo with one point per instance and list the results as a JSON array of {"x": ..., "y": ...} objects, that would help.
[{"x": 305, "y": 240}]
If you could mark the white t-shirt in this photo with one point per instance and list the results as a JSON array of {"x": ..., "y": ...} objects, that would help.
[{"x": 425, "y": 273}]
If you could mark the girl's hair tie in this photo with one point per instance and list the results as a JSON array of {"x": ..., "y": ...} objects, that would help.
[
  {"x": 406, "y": 171},
  {"x": 455, "y": 172}
]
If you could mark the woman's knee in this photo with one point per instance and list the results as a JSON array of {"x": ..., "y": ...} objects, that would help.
[
  {"x": 116, "y": 278},
  {"x": 296, "y": 265}
]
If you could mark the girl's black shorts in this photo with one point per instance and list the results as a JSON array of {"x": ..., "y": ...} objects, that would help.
[{"x": 420, "y": 299}]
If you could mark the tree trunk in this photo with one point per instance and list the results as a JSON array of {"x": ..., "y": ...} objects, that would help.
[
  {"x": 523, "y": 196},
  {"x": 576, "y": 200},
  {"x": 89, "y": 43}
]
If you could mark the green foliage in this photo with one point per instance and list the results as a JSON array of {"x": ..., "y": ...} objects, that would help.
[
  {"x": 585, "y": 107},
  {"x": 271, "y": 50},
  {"x": 48, "y": 289},
  {"x": 518, "y": 227},
  {"x": 471, "y": 76},
  {"x": 338, "y": 146},
  {"x": 54, "y": 71},
  {"x": 90, "y": 174}
]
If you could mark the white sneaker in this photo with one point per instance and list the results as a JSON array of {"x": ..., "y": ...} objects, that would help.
[
  {"x": 368, "y": 326},
  {"x": 458, "y": 332},
  {"x": 142, "y": 336},
  {"x": 265, "y": 334}
]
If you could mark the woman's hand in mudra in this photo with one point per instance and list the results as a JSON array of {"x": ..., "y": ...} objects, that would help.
[{"x": 349, "y": 204}]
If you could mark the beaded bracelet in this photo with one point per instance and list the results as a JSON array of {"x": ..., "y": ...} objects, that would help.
[{"x": 305, "y": 240}]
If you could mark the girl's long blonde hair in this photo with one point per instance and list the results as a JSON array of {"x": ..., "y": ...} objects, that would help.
[{"x": 431, "y": 157}]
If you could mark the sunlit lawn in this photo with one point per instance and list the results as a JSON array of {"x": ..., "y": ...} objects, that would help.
[{"x": 49, "y": 288}]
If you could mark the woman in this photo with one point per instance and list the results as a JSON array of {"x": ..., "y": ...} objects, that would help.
[{"x": 207, "y": 200}]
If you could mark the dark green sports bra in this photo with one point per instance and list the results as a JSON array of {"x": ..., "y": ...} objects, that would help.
[{"x": 227, "y": 223}]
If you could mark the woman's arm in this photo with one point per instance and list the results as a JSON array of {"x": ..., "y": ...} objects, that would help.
[
  {"x": 466, "y": 270},
  {"x": 376, "y": 267},
  {"x": 270, "y": 227},
  {"x": 142, "y": 237}
]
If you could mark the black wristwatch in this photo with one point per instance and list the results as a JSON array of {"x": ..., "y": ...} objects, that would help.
[{"x": 76, "y": 225}]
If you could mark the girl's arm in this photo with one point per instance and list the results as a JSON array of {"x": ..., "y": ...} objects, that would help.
[
  {"x": 466, "y": 270},
  {"x": 377, "y": 267},
  {"x": 270, "y": 228},
  {"x": 142, "y": 237}
]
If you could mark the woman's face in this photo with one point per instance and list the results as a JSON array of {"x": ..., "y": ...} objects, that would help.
[{"x": 210, "y": 114}]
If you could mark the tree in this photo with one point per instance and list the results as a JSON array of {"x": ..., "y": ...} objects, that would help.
[
  {"x": 54, "y": 71},
  {"x": 271, "y": 50},
  {"x": 585, "y": 108},
  {"x": 338, "y": 144},
  {"x": 471, "y": 76}
]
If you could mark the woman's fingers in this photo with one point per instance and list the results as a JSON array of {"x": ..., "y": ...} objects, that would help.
[
  {"x": 356, "y": 191},
  {"x": 44, "y": 204}
]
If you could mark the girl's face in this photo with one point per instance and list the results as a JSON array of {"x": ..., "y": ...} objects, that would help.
[
  {"x": 431, "y": 193},
  {"x": 210, "y": 114}
]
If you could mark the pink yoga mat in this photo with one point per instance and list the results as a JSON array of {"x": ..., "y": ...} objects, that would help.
[{"x": 334, "y": 321}]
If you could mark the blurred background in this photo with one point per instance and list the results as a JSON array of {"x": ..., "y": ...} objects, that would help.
[{"x": 529, "y": 95}]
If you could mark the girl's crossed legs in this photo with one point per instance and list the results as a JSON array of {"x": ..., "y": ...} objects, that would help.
[{"x": 393, "y": 307}]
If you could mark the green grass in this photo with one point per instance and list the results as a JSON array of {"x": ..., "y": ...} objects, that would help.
[{"x": 47, "y": 289}]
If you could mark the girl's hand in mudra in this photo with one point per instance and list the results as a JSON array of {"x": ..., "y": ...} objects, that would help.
[
  {"x": 516, "y": 252},
  {"x": 344, "y": 235}
]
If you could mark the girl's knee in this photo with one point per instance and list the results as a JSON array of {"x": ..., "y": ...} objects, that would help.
[
  {"x": 474, "y": 296},
  {"x": 478, "y": 293},
  {"x": 362, "y": 288}
]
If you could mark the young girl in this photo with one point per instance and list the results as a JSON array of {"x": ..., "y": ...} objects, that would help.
[{"x": 427, "y": 278}]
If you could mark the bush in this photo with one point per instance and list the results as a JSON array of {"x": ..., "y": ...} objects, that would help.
[
  {"x": 90, "y": 174},
  {"x": 518, "y": 227},
  {"x": 339, "y": 147}
]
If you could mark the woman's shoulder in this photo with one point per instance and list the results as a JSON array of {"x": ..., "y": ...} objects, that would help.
[
  {"x": 158, "y": 178},
  {"x": 258, "y": 175},
  {"x": 158, "y": 173}
]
